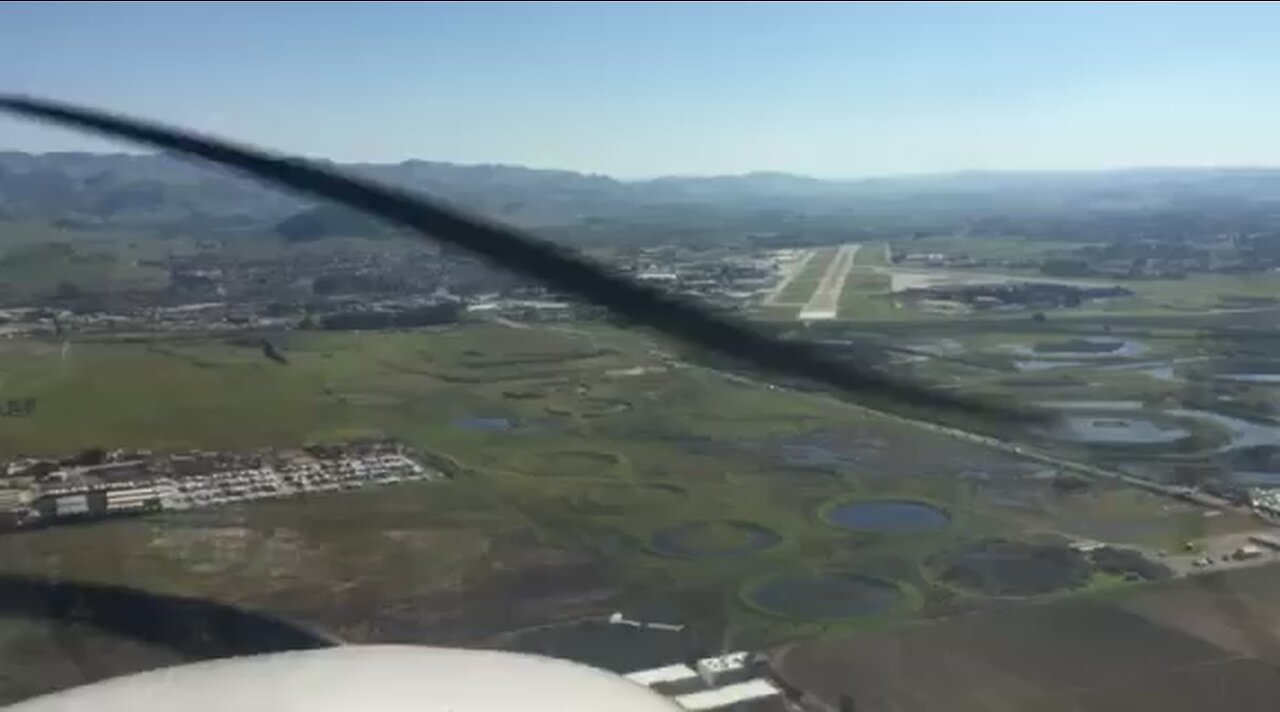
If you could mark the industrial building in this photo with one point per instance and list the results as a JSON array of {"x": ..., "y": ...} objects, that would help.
[
  {"x": 732, "y": 680},
  {"x": 193, "y": 480}
]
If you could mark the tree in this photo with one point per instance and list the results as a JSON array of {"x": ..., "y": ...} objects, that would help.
[
  {"x": 1038, "y": 317},
  {"x": 270, "y": 351}
]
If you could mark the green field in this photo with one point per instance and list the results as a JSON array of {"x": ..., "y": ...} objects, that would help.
[
  {"x": 35, "y": 259},
  {"x": 866, "y": 294},
  {"x": 800, "y": 288},
  {"x": 1198, "y": 293},
  {"x": 614, "y": 441},
  {"x": 872, "y": 254}
]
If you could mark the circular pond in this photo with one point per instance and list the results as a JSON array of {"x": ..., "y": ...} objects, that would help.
[
  {"x": 1087, "y": 347},
  {"x": 998, "y": 567},
  {"x": 830, "y": 595},
  {"x": 714, "y": 539},
  {"x": 524, "y": 394},
  {"x": 1121, "y": 423},
  {"x": 589, "y": 407},
  {"x": 587, "y": 457},
  {"x": 1116, "y": 429},
  {"x": 485, "y": 423},
  {"x": 814, "y": 456},
  {"x": 1079, "y": 348},
  {"x": 614, "y": 498},
  {"x": 893, "y": 516}
]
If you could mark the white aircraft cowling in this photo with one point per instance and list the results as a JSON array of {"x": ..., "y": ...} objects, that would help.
[{"x": 363, "y": 678}]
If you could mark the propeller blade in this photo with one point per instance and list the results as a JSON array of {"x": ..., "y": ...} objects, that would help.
[{"x": 565, "y": 270}]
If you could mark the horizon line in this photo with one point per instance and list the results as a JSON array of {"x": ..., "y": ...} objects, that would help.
[{"x": 760, "y": 172}]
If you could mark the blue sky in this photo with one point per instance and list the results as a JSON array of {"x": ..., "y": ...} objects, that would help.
[{"x": 644, "y": 89}]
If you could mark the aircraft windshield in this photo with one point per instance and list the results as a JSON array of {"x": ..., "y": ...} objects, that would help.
[{"x": 280, "y": 422}]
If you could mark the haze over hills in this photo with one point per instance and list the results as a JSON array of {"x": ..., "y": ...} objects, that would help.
[{"x": 165, "y": 195}]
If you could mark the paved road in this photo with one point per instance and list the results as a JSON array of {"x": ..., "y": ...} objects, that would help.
[{"x": 825, "y": 302}]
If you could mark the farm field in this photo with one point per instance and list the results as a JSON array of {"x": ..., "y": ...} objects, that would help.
[{"x": 1152, "y": 648}]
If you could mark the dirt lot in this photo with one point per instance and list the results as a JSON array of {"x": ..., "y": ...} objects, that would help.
[
  {"x": 1237, "y": 610},
  {"x": 1209, "y": 642},
  {"x": 1220, "y": 551}
]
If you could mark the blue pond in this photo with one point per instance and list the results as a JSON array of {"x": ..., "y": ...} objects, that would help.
[
  {"x": 888, "y": 515},
  {"x": 495, "y": 424}
]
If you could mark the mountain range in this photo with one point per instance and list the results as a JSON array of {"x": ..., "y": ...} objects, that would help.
[{"x": 174, "y": 196}]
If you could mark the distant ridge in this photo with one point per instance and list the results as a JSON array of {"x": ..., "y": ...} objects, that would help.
[{"x": 169, "y": 196}]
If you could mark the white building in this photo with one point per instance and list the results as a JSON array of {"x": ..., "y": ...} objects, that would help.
[
  {"x": 710, "y": 683},
  {"x": 720, "y": 668}
]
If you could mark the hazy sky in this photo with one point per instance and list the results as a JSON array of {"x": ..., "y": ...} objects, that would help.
[{"x": 639, "y": 89}]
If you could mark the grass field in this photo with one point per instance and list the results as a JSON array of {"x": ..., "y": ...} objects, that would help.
[
  {"x": 872, "y": 254},
  {"x": 800, "y": 288},
  {"x": 1201, "y": 292},
  {"x": 612, "y": 441},
  {"x": 36, "y": 258},
  {"x": 866, "y": 293},
  {"x": 866, "y": 296}
]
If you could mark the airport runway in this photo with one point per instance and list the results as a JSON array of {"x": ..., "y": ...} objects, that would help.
[{"x": 825, "y": 302}]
